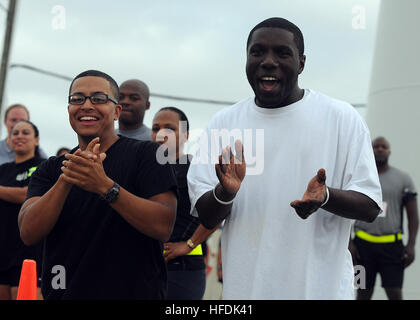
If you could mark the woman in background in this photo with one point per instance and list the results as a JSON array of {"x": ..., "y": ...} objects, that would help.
[{"x": 14, "y": 180}]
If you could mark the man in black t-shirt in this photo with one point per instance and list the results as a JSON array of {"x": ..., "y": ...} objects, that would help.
[{"x": 104, "y": 209}]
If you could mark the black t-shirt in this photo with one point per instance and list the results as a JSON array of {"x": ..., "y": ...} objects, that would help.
[
  {"x": 12, "y": 249},
  {"x": 185, "y": 223},
  {"x": 103, "y": 256}
]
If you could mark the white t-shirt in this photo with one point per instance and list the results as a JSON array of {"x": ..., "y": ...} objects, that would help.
[{"x": 268, "y": 251}]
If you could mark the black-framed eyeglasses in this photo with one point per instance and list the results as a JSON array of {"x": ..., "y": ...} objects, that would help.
[{"x": 96, "y": 98}]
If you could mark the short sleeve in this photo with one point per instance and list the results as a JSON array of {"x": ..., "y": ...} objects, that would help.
[
  {"x": 410, "y": 192},
  {"x": 361, "y": 174},
  {"x": 152, "y": 177},
  {"x": 43, "y": 178}
]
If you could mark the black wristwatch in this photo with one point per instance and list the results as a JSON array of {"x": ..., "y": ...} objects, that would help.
[{"x": 112, "y": 194}]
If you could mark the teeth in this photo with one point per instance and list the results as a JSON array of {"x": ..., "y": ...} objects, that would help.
[
  {"x": 268, "y": 79},
  {"x": 88, "y": 118}
]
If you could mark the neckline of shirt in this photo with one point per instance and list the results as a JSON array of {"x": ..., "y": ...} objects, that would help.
[
  {"x": 26, "y": 162},
  {"x": 282, "y": 110}
]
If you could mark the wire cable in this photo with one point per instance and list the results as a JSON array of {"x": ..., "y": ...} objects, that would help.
[{"x": 157, "y": 95}]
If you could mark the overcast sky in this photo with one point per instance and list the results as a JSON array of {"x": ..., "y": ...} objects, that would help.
[{"x": 184, "y": 48}]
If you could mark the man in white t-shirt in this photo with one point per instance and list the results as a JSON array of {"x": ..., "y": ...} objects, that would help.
[{"x": 273, "y": 246}]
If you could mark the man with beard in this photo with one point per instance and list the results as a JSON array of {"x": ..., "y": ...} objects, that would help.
[
  {"x": 134, "y": 99},
  {"x": 378, "y": 246},
  {"x": 274, "y": 247}
]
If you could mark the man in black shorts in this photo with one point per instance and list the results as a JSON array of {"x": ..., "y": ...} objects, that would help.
[
  {"x": 104, "y": 209},
  {"x": 378, "y": 246}
]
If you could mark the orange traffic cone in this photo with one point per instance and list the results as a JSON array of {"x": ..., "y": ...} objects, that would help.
[{"x": 27, "y": 283}]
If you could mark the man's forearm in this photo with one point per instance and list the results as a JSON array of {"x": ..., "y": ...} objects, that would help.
[
  {"x": 413, "y": 221},
  {"x": 210, "y": 211},
  {"x": 352, "y": 205},
  {"x": 38, "y": 215},
  {"x": 155, "y": 217}
]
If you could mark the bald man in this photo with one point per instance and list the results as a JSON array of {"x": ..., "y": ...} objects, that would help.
[
  {"x": 378, "y": 245},
  {"x": 134, "y": 99}
]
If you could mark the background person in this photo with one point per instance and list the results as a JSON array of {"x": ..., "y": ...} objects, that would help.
[
  {"x": 378, "y": 245},
  {"x": 184, "y": 252},
  {"x": 62, "y": 151},
  {"x": 12, "y": 115},
  {"x": 134, "y": 99},
  {"x": 14, "y": 179}
]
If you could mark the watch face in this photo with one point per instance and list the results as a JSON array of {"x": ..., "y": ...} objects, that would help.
[
  {"x": 190, "y": 244},
  {"x": 113, "y": 193}
]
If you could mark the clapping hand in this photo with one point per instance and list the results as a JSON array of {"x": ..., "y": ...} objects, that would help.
[
  {"x": 231, "y": 169},
  {"x": 313, "y": 197},
  {"x": 85, "y": 170}
]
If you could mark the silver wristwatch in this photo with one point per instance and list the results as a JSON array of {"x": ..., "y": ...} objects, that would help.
[{"x": 112, "y": 194}]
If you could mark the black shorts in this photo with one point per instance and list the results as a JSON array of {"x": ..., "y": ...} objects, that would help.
[
  {"x": 383, "y": 258},
  {"x": 10, "y": 277}
]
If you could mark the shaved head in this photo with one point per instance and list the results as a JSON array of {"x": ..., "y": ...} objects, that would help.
[
  {"x": 134, "y": 99},
  {"x": 138, "y": 86},
  {"x": 381, "y": 139},
  {"x": 381, "y": 150}
]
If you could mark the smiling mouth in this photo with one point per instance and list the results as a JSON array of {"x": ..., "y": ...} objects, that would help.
[
  {"x": 88, "y": 119},
  {"x": 268, "y": 83}
]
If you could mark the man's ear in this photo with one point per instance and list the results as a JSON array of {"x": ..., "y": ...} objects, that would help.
[
  {"x": 147, "y": 105},
  {"x": 118, "y": 110},
  {"x": 302, "y": 61}
]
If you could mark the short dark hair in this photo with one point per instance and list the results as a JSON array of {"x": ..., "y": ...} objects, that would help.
[
  {"x": 61, "y": 150},
  {"x": 281, "y": 23},
  {"x": 95, "y": 73},
  {"x": 180, "y": 113}
]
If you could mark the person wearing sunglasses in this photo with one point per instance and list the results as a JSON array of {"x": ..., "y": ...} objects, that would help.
[
  {"x": 134, "y": 100},
  {"x": 104, "y": 209}
]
